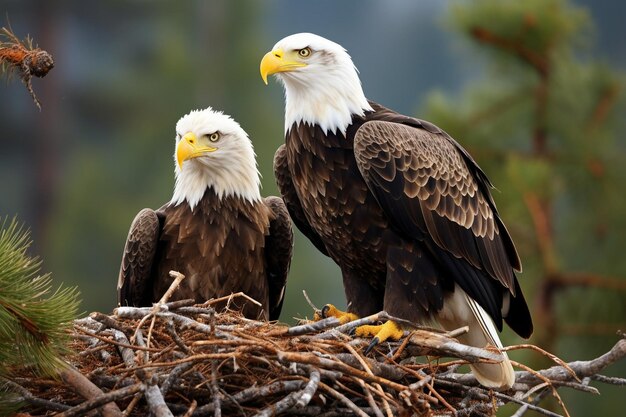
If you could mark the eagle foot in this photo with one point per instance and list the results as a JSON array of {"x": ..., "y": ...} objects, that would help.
[
  {"x": 330, "y": 310},
  {"x": 388, "y": 330}
]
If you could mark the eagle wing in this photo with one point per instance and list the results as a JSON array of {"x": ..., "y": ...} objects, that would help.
[
  {"x": 432, "y": 191},
  {"x": 138, "y": 258},
  {"x": 290, "y": 197},
  {"x": 278, "y": 249}
]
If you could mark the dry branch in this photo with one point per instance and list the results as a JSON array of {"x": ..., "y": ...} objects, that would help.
[
  {"x": 88, "y": 390},
  {"x": 203, "y": 363}
]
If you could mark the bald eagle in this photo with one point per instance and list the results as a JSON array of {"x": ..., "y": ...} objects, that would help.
[
  {"x": 216, "y": 230},
  {"x": 400, "y": 206}
]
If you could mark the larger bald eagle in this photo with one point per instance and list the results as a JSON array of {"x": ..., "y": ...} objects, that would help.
[
  {"x": 400, "y": 206},
  {"x": 216, "y": 230}
]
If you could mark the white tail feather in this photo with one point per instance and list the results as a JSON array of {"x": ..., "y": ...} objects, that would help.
[{"x": 460, "y": 310}]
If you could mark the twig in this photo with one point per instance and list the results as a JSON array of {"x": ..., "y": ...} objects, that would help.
[
  {"x": 549, "y": 355},
  {"x": 174, "y": 305},
  {"x": 481, "y": 394},
  {"x": 581, "y": 368},
  {"x": 345, "y": 400},
  {"x": 229, "y": 298},
  {"x": 171, "y": 330},
  {"x": 384, "y": 370},
  {"x": 555, "y": 393},
  {"x": 173, "y": 376},
  {"x": 132, "y": 404},
  {"x": 30, "y": 398},
  {"x": 613, "y": 380},
  {"x": 125, "y": 348},
  {"x": 309, "y": 390},
  {"x": 152, "y": 394},
  {"x": 379, "y": 389},
  {"x": 155, "y": 400},
  {"x": 87, "y": 390},
  {"x": 160, "y": 305},
  {"x": 525, "y": 404},
  {"x": 370, "y": 399},
  {"x": 339, "y": 366},
  {"x": 536, "y": 400},
  {"x": 457, "y": 332},
  {"x": 417, "y": 386},
  {"x": 283, "y": 405},
  {"x": 311, "y": 327},
  {"x": 101, "y": 400},
  {"x": 107, "y": 321},
  {"x": 192, "y": 408},
  {"x": 446, "y": 346},
  {"x": 178, "y": 277},
  {"x": 255, "y": 392},
  {"x": 127, "y": 345},
  {"x": 309, "y": 302},
  {"x": 440, "y": 398},
  {"x": 215, "y": 391}
]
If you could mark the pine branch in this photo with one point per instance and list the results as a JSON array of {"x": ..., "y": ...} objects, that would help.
[
  {"x": 23, "y": 58},
  {"x": 536, "y": 60},
  {"x": 34, "y": 319}
]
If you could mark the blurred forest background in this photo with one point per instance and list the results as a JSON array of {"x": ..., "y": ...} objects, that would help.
[{"x": 534, "y": 90}]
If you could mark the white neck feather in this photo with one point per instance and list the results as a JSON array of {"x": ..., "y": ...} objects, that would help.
[
  {"x": 329, "y": 99},
  {"x": 239, "y": 179}
]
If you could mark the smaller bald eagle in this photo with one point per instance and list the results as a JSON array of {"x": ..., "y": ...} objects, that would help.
[
  {"x": 399, "y": 205},
  {"x": 216, "y": 230}
]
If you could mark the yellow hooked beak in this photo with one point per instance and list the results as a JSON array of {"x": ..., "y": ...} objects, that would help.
[
  {"x": 276, "y": 61},
  {"x": 188, "y": 148}
]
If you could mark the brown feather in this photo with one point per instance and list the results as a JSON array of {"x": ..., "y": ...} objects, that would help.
[
  {"x": 220, "y": 247},
  {"x": 402, "y": 208},
  {"x": 138, "y": 256},
  {"x": 278, "y": 250}
]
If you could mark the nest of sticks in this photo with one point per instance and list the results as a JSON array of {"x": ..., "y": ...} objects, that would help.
[{"x": 180, "y": 358}]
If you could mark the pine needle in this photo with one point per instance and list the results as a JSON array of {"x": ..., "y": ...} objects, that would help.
[{"x": 34, "y": 318}]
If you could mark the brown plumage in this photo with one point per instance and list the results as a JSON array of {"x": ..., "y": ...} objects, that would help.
[
  {"x": 405, "y": 212},
  {"x": 400, "y": 206},
  {"x": 223, "y": 244}
]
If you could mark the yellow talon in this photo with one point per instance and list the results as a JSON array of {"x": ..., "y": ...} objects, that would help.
[
  {"x": 330, "y": 310},
  {"x": 388, "y": 330}
]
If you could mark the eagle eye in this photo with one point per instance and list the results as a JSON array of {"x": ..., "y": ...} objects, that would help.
[
  {"x": 304, "y": 52},
  {"x": 178, "y": 136},
  {"x": 213, "y": 137}
]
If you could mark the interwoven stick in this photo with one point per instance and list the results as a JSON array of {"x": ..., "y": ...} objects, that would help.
[{"x": 256, "y": 367}]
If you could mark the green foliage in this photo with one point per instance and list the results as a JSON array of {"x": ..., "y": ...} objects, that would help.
[
  {"x": 547, "y": 126},
  {"x": 34, "y": 319},
  {"x": 536, "y": 26},
  {"x": 10, "y": 403}
]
